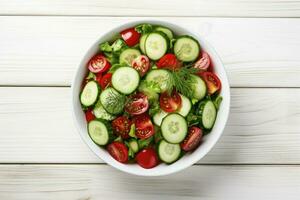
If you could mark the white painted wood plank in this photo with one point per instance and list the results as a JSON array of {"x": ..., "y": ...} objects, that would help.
[
  {"x": 89, "y": 182},
  {"x": 262, "y": 8},
  {"x": 37, "y": 127},
  {"x": 47, "y": 50}
]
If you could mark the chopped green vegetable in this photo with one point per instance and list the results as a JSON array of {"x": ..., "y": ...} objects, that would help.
[
  {"x": 90, "y": 76},
  {"x": 118, "y": 45},
  {"x": 114, "y": 67},
  {"x": 105, "y": 47},
  {"x": 217, "y": 101},
  {"x": 145, "y": 142},
  {"x": 118, "y": 139},
  {"x": 132, "y": 131},
  {"x": 144, "y": 28}
]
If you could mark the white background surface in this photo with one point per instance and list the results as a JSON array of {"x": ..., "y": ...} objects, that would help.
[{"x": 42, "y": 155}]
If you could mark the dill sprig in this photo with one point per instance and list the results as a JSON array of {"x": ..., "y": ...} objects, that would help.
[
  {"x": 115, "y": 101},
  {"x": 182, "y": 80}
]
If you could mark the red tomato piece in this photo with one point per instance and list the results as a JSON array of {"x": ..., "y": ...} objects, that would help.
[
  {"x": 192, "y": 140},
  {"x": 147, "y": 158},
  {"x": 203, "y": 62},
  {"x": 141, "y": 64},
  {"x": 143, "y": 126},
  {"x": 212, "y": 81},
  {"x": 130, "y": 36},
  {"x": 98, "y": 63},
  {"x": 170, "y": 103},
  {"x": 121, "y": 126},
  {"x": 137, "y": 104},
  {"x": 105, "y": 80},
  {"x": 98, "y": 78},
  {"x": 89, "y": 116},
  {"x": 118, "y": 151},
  {"x": 169, "y": 61}
]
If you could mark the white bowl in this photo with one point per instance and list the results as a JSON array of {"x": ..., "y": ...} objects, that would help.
[{"x": 162, "y": 169}]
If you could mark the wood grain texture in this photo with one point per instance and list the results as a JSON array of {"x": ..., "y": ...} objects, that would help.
[
  {"x": 37, "y": 127},
  {"x": 90, "y": 182},
  {"x": 262, "y": 8},
  {"x": 47, "y": 50}
]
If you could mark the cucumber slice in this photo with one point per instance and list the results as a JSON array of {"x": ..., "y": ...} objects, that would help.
[
  {"x": 199, "y": 88},
  {"x": 209, "y": 115},
  {"x": 186, "y": 106},
  {"x": 133, "y": 144},
  {"x": 128, "y": 55},
  {"x": 161, "y": 77},
  {"x": 156, "y": 45},
  {"x": 174, "y": 128},
  {"x": 101, "y": 113},
  {"x": 98, "y": 132},
  {"x": 112, "y": 101},
  {"x": 166, "y": 31},
  {"x": 125, "y": 80},
  {"x": 186, "y": 49},
  {"x": 142, "y": 43},
  {"x": 89, "y": 94},
  {"x": 159, "y": 116},
  {"x": 168, "y": 152}
]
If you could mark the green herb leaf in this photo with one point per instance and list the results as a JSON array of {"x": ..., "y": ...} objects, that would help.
[
  {"x": 181, "y": 80},
  {"x": 145, "y": 142},
  {"x": 154, "y": 108},
  {"x": 144, "y": 28},
  {"x": 115, "y": 101}
]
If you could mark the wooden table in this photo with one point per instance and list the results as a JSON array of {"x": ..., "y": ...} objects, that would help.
[{"x": 41, "y": 153}]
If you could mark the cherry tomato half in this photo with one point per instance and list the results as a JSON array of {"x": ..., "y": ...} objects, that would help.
[
  {"x": 192, "y": 140},
  {"x": 98, "y": 63},
  {"x": 105, "y": 80},
  {"x": 213, "y": 83},
  {"x": 203, "y": 62},
  {"x": 137, "y": 104},
  {"x": 89, "y": 116},
  {"x": 130, "y": 36},
  {"x": 143, "y": 126},
  {"x": 170, "y": 103},
  {"x": 147, "y": 158},
  {"x": 169, "y": 61},
  {"x": 118, "y": 151},
  {"x": 141, "y": 64},
  {"x": 121, "y": 126}
]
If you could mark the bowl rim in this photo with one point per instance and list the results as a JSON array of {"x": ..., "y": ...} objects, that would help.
[{"x": 210, "y": 144}]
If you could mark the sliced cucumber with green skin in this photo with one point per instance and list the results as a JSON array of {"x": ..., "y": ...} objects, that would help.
[
  {"x": 159, "y": 116},
  {"x": 101, "y": 113},
  {"x": 156, "y": 45},
  {"x": 174, "y": 128},
  {"x": 186, "y": 49},
  {"x": 168, "y": 152},
  {"x": 199, "y": 87},
  {"x": 166, "y": 31},
  {"x": 113, "y": 107},
  {"x": 161, "y": 77},
  {"x": 186, "y": 106},
  {"x": 125, "y": 80},
  {"x": 142, "y": 43},
  {"x": 89, "y": 94},
  {"x": 209, "y": 115},
  {"x": 128, "y": 55},
  {"x": 98, "y": 132}
]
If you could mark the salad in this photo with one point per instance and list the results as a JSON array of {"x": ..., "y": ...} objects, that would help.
[{"x": 150, "y": 95}]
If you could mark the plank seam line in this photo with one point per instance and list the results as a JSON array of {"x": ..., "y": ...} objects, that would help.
[{"x": 146, "y": 16}]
